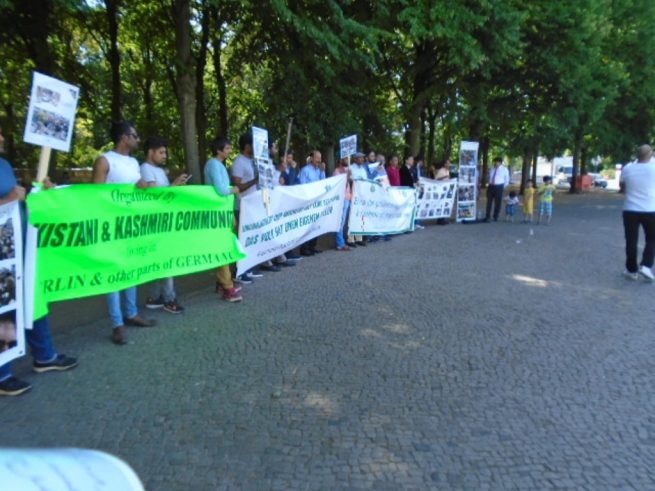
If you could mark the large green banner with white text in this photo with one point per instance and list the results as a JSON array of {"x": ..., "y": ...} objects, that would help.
[{"x": 100, "y": 238}]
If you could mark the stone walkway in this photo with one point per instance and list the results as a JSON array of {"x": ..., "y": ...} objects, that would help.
[{"x": 460, "y": 357}]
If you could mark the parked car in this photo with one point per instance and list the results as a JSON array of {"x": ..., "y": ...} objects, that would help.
[{"x": 599, "y": 181}]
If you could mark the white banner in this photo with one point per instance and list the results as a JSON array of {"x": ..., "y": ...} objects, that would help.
[
  {"x": 296, "y": 215},
  {"x": 380, "y": 210},
  {"x": 51, "y": 114},
  {"x": 467, "y": 190},
  {"x": 435, "y": 198},
  {"x": 12, "y": 324}
]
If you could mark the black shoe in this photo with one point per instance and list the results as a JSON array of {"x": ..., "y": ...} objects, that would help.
[
  {"x": 288, "y": 263},
  {"x": 245, "y": 278},
  {"x": 361, "y": 244},
  {"x": 61, "y": 363},
  {"x": 255, "y": 273},
  {"x": 273, "y": 267},
  {"x": 351, "y": 244},
  {"x": 293, "y": 257},
  {"x": 155, "y": 303},
  {"x": 13, "y": 387}
]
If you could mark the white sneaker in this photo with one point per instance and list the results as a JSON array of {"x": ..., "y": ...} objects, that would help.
[
  {"x": 630, "y": 276},
  {"x": 646, "y": 273}
]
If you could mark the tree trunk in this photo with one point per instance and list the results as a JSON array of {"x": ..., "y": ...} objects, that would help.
[
  {"x": 484, "y": 151},
  {"x": 525, "y": 171},
  {"x": 217, "y": 39},
  {"x": 432, "y": 127},
  {"x": 330, "y": 164},
  {"x": 201, "y": 110},
  {"x": 114, "y": 58},
  {"x": 186, "y": 84},
  {"x": 577, "y": 150},
  {"x": 414, "y": 131},
  {"x": 35, "y": 30}
]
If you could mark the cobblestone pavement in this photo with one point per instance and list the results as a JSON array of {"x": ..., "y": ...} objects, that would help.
[{"x": 459, "y": 357}]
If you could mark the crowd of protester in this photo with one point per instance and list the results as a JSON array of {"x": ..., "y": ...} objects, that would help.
[{"x": 239, "y": 179}]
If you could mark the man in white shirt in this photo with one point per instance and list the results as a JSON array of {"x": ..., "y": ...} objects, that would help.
[
  {"x": 638, "y": 183},
  {"x": 162, "y": 292},
  {"x": 498, "y": 179},
  {"x": 118, "y": 167}
]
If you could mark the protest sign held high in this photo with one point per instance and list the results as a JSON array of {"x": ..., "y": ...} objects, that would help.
[
  {"x": 99, "y": 239},
  {"x": 296, "y": 214},
  {"x": 381, "y": 210},
  {"x": 348, "y": 146}
]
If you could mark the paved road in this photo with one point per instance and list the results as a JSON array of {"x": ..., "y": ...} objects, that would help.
[{"x": 458, "y": 357}]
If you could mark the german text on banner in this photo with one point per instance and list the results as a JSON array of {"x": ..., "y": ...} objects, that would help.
[
  {"x": 12, "y": 334},
  {"x": 295, "y": 215},
  {"x": 100, "y": 238},
  {"x": 435, "y": 198},
  {"x": 379, "y": 210}
]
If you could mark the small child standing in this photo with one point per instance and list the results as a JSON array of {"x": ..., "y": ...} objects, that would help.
[
  {"x": 546, "y": 192},
  {"x": 528, "y": 202},
  {"x": 511, "y": 204}
]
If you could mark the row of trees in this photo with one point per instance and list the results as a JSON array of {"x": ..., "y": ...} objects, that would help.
[{"x": 523, "y": 78}]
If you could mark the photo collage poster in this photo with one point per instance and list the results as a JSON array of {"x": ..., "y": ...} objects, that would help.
[
  {"x": 467, "y": 186},
  {"x": 347, "y": 146},
  {"x": 12, "y": 334},
  {"x": 51, "y": 113},
  {"x": 269, "y": 176},
  {"x": 435, "y": 198}
]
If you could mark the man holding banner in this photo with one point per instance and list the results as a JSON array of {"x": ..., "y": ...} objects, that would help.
[
  {"x": 118, "y": 167},
  {"x": 39, "y": 337},
  {"x": 312, "y": 172}
]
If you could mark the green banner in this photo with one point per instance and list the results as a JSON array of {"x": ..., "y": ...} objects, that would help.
[{"x": 100, "y": 238}]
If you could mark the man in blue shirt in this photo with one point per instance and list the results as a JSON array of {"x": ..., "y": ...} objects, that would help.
[
  {"x": 39, "y": 338},
  {"x": 312, "y": 172}
]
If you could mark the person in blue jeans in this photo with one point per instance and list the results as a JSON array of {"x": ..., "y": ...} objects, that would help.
[{"x": 39, "y": 338}]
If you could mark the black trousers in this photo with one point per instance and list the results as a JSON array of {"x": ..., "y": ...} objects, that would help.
[
  {"x": 495, "y": 196},
  {"x": 632, "y": 220}
]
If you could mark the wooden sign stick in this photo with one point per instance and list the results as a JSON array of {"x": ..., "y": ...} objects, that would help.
[{"x": 44, "y": 162}]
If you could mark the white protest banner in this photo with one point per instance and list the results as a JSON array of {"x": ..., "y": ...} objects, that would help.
[
  {"x": 435, "y": 198},
  {"x": 467, "y": 190},
  {"x": 56, "y": 469},
  {"x": 348, "y": 146},
  {"x": 295, "y": 215},
  {"x": 51, "y": 113},
  {"x": 380, "y": 210},
  {"x": 12, "y": 324}
]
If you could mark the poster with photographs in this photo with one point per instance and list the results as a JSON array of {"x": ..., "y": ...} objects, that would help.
[
  {"x": 467, "y": 186},
  {"x": 12, "y": 335},
  {"x": 51, "y": 113},
  {"x": 265, "y": 168},
  {"x": 348, "y": 146},
  {"x": 269, "y": 176},
  {"x": 435, "y": 198}
]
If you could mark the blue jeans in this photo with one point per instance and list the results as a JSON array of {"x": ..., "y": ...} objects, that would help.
[
  {"x": 164, "y": 288},
  {"x": 114, "y": 304},
  {"x": 341, "y": 242},
  {"x": 39, "y": 339}
]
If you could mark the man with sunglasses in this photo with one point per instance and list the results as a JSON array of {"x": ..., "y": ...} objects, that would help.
[{"x": 117, "y": 166}]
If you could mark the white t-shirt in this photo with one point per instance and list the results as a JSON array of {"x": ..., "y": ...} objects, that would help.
[
  {"x": 154, "y": 173},
  {"x": 243, "y": 167},
  {"x": 639, "y": 180},
  {"x": 123, "y": 169}
]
